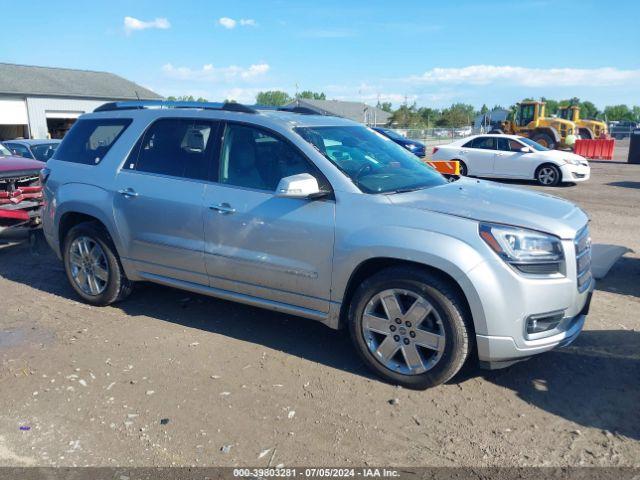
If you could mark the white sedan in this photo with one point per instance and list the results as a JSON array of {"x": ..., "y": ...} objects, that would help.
[{"x": 512, "y": 156}]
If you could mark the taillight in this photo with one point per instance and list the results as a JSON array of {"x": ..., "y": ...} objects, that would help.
[
  {"x": 435, "y": 149},
  {"x": 44, "y": 175}
]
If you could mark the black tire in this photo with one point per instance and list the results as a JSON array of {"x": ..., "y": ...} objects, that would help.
[
  {"x": 545, "y": 140},
  {"x": 586, "y": 133},
  {"x": 118, "y": 286},
  {"x": 543, "y": 172},
  {"x": 446, "y": 301},
  {"x": 463, "y": 168},
  {"x": 496, "y": 131}
]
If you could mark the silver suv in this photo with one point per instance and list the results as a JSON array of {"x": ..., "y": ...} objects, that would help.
[{"x": 323, "y": 218}]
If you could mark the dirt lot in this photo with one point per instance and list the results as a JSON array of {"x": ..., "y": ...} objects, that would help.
[{"x": 172, "y": 378}]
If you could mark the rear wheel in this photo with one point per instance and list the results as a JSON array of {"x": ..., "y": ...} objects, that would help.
[
  {"x": 410, "y": 327},
  {"x": 545, "y": 140},
  {"x": 548, "y": 175},
  {"x": 92, "y": 265},
  {"x": 586, "y": 134},
  {"x": 463, "y": 168}
]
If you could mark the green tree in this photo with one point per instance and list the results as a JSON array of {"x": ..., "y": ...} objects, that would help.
[
  {"x": 618, "y": 112},
  {"x": 274, "y": 98},
  {"x": 458, "y": 115},
  {"x": 386, "y": 106},
  {"x": 429, "y": 116},
  {"x": 588, "y": 110},
  {"x": 636, "y": 113},
  {"x": 186, "y": 98},
  {"x": 312, "y": 95},
  {"x": 484, "y": 109}
]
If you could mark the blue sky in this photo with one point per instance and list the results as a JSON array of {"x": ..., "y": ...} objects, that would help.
[{"x": 432, "y": 52}]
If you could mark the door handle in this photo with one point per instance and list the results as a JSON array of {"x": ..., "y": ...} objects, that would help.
[
  {"x": 223, "y": 208},
  {"x": 499, "y": 154},
  {"x": 128, "y": 192},
  {"x": 464, "y": 151}
]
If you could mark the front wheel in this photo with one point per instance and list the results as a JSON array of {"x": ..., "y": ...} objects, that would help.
[
  {"x": 410, "y": 327},
  {"x": 545, "y": 140},
  {"x": 92, "y": 265},
  {"x": 548, "y": 175}
]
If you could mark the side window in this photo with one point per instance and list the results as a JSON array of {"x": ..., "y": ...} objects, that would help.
[
  {"x": 515, "y": 146},
  {"x": 469, "y": 144},
  {"x": 484, "y": 143},
  {"x": 503, "y": 145},
  {"x": 176, "y": 147},
  {"x": 19, "y": 150},
  {"x": 88, "y": 141},
  {"x": 253, "y": 158}
]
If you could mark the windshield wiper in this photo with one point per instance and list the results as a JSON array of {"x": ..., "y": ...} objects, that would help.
[{"x": 405, "y": 190}]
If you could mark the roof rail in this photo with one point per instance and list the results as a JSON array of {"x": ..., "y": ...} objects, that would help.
[
  {"x": 165, "y": 104},
  {"x": 291, "y": 109}
]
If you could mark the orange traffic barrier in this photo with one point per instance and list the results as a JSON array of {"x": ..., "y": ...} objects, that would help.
[
  {"x": 600, "y": 148},
  {"x": 446, "y": 167}
]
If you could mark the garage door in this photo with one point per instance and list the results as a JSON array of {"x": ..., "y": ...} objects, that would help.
[{"x": 13, "y": 112}]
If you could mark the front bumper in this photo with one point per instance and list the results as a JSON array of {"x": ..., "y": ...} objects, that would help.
[
  {"x": 575, "y": 173},
  {"x": 507, "y": 299},
  {"x": 501, "y": 352}
]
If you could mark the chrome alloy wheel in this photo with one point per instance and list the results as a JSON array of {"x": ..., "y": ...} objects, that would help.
[
  {"x": 89, "y": 266},
  {"x": 547, "y": 176},
  {"x": 403, "y": 331}
]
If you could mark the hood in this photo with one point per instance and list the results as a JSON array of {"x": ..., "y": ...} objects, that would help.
[
  {"x": 493, "y": 202},
  {"x": 563, "y": 155},
  {"x": 19, "y": 164}
]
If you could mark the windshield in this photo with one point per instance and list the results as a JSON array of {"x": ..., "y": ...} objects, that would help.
[
  {"x": 532, "y": 144},
  {"x": 391, "y": 134},
  {"x": 4, "y": 151},
  {"x": 44, "y": 151},
  {"x": 374, "y": 163}
]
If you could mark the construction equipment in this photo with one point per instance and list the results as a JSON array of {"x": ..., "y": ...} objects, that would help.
[
  {"x": 529, "y": 121},
  {"x": 588, "y": 129}
]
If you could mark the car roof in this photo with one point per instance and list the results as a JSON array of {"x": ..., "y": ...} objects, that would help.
[
  {"x": 259, "y": 115},
  {"x": 33, "y": 141}
]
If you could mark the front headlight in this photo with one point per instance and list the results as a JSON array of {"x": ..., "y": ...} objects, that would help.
[
  {"x": 526, "y": 250},
  {"x": 572, "y": 161}
]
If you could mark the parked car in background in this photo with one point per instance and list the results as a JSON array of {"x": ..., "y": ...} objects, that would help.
[
  {"x": 512, "y": 156},
  {"x": 37, "y": 149},
  {"x": 622, "y": 129},
  {"x": 415, "y": 147},
  {"x": 319, "y": 217},
  {"x": 20, "y": 191}
]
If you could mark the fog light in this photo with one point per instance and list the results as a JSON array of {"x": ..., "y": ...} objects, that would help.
[{"x": 544, "y": 322}]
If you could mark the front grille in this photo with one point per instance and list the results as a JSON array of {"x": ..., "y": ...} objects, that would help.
[{"x": 583, "y": 259}]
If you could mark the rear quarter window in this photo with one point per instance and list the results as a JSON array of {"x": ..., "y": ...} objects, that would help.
[{"x": 88, "y": 141}]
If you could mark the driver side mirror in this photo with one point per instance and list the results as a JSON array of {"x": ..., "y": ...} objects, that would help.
[
  {"x": 302, "y": 185},
  {"x": 525, "y": 150}
]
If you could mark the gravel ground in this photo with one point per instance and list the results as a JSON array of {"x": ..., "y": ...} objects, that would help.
[{"x": 172, "y": 378}]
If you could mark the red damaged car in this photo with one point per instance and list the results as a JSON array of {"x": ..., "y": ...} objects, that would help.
[{"x": 20, "y": 191}]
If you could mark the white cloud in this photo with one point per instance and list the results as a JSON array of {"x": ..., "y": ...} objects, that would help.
[
  {"x": 209, "y": 73},
  {"x": 227, "y": 22},
  {"x": 133, "y": 24},
  {"x": 528, "y": 77},
  {"x": 230, "y": 23}
]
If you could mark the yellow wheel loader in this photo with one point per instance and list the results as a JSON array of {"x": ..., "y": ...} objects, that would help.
[
  {"x": 529, "y": 121},
  {"x": 588, "y": 129}
]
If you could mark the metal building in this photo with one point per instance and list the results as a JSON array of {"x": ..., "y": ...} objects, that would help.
[
  {"x": 43, "y": 102},
  {"x": 356, "y": 111}
]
